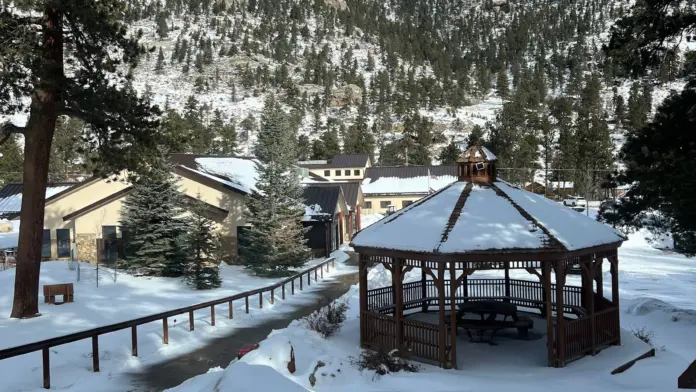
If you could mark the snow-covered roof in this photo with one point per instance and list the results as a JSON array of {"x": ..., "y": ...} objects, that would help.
[
  {"x": 11, "y": 196},
  {"x": 414, "y": 185},
  {"x": 561, "y": 184},
  {"x": 494, "y": 216},
  {"x": 313, "y": 212},
  {"x": 239, "y": 173}
]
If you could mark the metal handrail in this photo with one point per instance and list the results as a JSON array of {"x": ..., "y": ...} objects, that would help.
[{"x": 94, "y": 333}]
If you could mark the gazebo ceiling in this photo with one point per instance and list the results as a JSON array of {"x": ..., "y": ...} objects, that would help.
[{"x": 491, "y": 217}]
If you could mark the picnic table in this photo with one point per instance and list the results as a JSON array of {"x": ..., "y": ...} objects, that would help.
[{"x": 494, "y": 316}]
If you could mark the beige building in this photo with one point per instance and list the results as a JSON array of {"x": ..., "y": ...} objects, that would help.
[
  {"x": 83, "y": 221},
  {"x": 391, "y": 188},
  {"x": 343, "y": 167}
]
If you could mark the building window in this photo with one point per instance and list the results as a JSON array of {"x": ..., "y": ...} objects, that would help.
[
  {"x": 110, "y": 243},
  {"x": 384, "y": 203},
  {"x": 356, "y": 172},
  {"x": 368, "y": 205},
  {"x": 338, "y": 172},
  {"x": 63, "y": 237},
  {"x": 406, "y": 203},
  {"x": 327, "y": 173},
  {"x": 46, "y": 244},
  {"x": 347, "y": 172}
]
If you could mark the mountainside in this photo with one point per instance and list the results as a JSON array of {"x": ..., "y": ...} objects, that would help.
[{"x": 406, "y": 81}]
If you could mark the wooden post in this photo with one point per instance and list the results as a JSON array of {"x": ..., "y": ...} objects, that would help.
[
  {"x": 441, "y": 305},
  {"x": 95, "y": 353},
  {"x": 398, "y": 302},
  {"x": 362, "y": 287},
  {"x": 246, "y": 302},
  {"x": 292, "y": 287},
  {"x": 615, "y": 289},
  {"x": 261, "y": 300},
  {"x": 301, "y": 280},
  {"x": 588, "y": 299},
  {"x": 548, "y": 310},
  {"x": 282, "y": 295},
  {"x": 453, "y": 315},
  {"x": 424, "y": 287},
  {"x": 134, "y": 341},
  {"x": 231, "y": 314},
  {"x": 322, "y": 271},
  {"x": 212, "y": 315},
  {"x": 560, "y": 314},
  {"x": 191, "y": 325},
  {"x": 309, "y": 279},
  {"x": 315, "y": 274},
  {"x": 165, "y": 331},
  {"x": 272, "y": 295},
  {"x": 599, "y": 276},
  {"x": 46, "y": 368},
  {"x": 507, "y": 281}
]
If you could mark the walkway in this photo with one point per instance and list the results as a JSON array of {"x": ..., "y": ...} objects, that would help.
[{"x": 221, "y": 351}]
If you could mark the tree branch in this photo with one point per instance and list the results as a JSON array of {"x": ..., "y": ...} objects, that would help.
[
  {"x": 74, "y": 113},
  {"x": 6, "y": 131}
]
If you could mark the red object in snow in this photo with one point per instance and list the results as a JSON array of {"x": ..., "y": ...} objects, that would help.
[{"x": 246, "y": 349}]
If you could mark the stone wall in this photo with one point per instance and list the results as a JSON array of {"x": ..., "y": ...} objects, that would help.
[{"x": 86, "y": 245}]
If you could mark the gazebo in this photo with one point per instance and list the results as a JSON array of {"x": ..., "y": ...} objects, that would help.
[{"x": 483, "y": 223}]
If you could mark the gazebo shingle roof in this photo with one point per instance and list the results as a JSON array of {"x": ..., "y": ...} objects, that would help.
[{"x": 496, "y": 216}]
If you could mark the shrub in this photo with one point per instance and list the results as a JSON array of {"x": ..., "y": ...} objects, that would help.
[
  {"x": 644, "y": 334},
  {"x": 327, "y": 320},
  {"x": 382, "y": 362}
]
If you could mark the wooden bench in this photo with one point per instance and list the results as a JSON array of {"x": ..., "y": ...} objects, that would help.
[
  {"x": 522, "y": 324},
  {"x": 64, "y": 289}
]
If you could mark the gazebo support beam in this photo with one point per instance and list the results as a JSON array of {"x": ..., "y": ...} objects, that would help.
[
  {"x": 424, "y": 286},
  {"x": 614, "y": 260},
  {"x": 441, "y": 301},
  {"x": 454, "y": 285},
  {"x": 507, "y": 281},
  {"x": 560, "y": 318},
  {"x": 548, "y": 312},
  {"x": 362, "y": 280},
  {"x": 399, "y": 304}
]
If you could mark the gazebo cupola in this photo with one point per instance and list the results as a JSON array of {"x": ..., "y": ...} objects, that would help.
[{"x": 477, "y": 164}]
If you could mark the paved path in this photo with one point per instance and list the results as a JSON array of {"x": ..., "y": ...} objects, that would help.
[{"x": 221, "y": 351}]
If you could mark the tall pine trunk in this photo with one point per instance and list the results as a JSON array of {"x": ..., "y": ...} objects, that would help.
[{"x": 45, "y": 106}]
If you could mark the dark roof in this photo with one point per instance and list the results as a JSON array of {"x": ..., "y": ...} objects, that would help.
[
  {"x": 9, "y": 205},
  {"x": 374, "y": 173},
  {"x": 350, "y": 189},
  {"x": 317, "y": 177},
  {"x": 350, "y": 160},
  {"x": 339, "y": 161},
  {"x": 325, "y": 196}
]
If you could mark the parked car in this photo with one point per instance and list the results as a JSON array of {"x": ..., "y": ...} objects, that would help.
[{"x": 575, "y": 201}]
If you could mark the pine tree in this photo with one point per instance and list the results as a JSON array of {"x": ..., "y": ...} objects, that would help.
[
  {"x": 202, "y": 270},
  {"x": 160, "y": 61},
  {"x": 502, "y": 84},
  {"x": 10, "y": 161},
  {"x": 275, "y": 241},
  {"x": 303, "y": 148},
  {"x": 151, "y": 215},
  {"x": 449, "y": 154},
  {"x": 162, "y": 28},
  {"x": 37, "y": 39}
]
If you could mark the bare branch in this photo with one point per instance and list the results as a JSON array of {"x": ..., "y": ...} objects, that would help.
[
  {"x": 74, "y": 113},
  {"x": 7, "y": 130}
]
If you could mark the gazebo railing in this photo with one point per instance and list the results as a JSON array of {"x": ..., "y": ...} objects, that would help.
[
  {"x": 578, "y": 332},
  {"x": 524, "y": 293},
  {"x": 421, "y": 339}
]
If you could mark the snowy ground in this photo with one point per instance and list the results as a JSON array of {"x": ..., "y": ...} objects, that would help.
[
  {"x": 657, "y": 292},
  {"x": 123, "y": 299}
]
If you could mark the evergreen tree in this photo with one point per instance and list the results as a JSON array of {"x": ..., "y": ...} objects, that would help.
[
  {"x": 202, "y": 270},
  {"x": 449, "y": 154},
  {"x": 160, "y": 61},
  {"x": 67, "y": 154},
  {"x": 303, "y": 148},
  {"x": 162, "y": 28},
  {"x": 37, "y": 38},
  {"x": 502, "y": 84},
  {"x": 10, "y": 161},
  {"x": 275, "y": 241},
  {"x": 151, "y": 215}
]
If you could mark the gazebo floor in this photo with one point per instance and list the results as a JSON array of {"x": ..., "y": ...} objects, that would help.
[{"x": 509, "y": 351}]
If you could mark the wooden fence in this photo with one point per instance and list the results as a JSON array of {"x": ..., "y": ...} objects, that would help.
[{"x": 94, "y": 333}]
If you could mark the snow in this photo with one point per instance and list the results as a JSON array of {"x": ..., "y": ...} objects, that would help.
[
  {"x": 651, "y": 296},
  {"x": 489, "y": 155},
  {"x": 490, "y": 222},
  {"x": 241, "y": 172},
  {"x": 242, "y": 378},
  {"x": 119, "y": 298},
  {"x": 13, "y": 203},
  {"x": 429, "y": 215},
  {"x": 368, "y": 220},
  {"x": 313, "y": 212},
  {"x": 395, "y": 185},
  {"x": 573, "y": 230}
]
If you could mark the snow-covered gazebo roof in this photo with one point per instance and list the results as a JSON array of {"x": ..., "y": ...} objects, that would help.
[{"x": 482, "y": 214}]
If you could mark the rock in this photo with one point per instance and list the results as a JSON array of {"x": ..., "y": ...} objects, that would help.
[
  {"x": 350, "y": 94},
  {"x": 291, "y": 363},
  {"x": 312, "y": 377},
  {"x": 338, "y": 4}
]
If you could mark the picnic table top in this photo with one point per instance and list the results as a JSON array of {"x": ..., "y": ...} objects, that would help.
[{"x": 487, "y": 306}]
